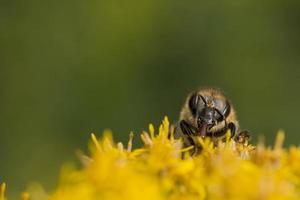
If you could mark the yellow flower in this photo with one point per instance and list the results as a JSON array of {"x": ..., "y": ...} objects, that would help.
[{"x": 161, "y": 169}]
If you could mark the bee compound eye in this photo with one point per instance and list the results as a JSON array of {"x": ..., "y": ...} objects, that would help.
[
  {"x": 227, "y": 109},
  {"x": 193, "y": 103}
]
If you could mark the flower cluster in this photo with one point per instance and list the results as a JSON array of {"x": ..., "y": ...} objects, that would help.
[{"x": 162, "y": 169}]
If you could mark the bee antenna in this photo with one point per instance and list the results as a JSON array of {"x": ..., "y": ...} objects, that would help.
[
  {"x": 203, "y": 99},
  {"x": 219, "y": 112}
]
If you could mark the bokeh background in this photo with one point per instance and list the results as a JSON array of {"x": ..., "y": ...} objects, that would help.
[{"x": 69, "y": 68}]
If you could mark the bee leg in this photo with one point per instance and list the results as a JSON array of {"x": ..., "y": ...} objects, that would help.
[
  {"x": 232, "y": 128},
  {"x": 186, "y": 128},
  {"x": 189, "y": 131},
  {"x": 243, "y": 137}
]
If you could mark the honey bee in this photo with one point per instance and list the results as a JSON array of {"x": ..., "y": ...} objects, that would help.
[{"x": 208, "y": 113}]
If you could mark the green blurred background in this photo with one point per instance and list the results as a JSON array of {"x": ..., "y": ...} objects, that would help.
[{"x": 69, "y": 68}]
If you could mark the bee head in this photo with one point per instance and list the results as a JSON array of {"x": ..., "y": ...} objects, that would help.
[{"x": 209, "y": 108}]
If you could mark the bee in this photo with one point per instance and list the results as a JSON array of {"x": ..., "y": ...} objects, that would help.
[{"x": 208, "y": 112}]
